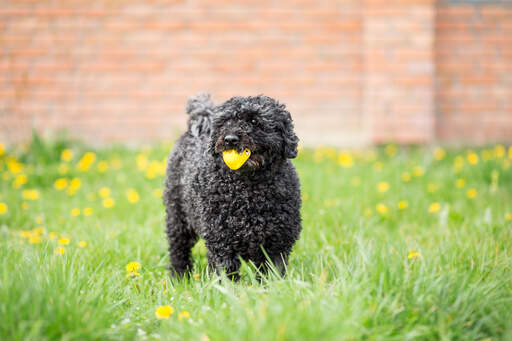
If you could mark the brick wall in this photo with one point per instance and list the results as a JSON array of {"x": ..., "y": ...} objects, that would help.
[
  {"x": 474, "y": 71},
  {"x": 350, "y": 71}
]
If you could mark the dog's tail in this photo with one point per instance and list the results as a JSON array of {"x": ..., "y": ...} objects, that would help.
[{"x": 200, "y": 108}]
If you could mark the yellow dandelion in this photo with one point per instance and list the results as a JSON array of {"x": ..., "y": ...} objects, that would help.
[
  {"x": 2, "y": 149},
  {"x": 196, "y": 276},
  {"x": 102, "y": 166},
  {"x": 60, "y": 251},
  {"x": 63, "y": 241},
  {"x": 82, "y": 244},
  {"x": 30, "y": 194},
  {"x": 19, "y": 181},
  {"x": 24, "y": 206},
  {"x": 3, "y": 208},
  {"x": 472, "y": 193},
  {"x": 499, "y": 151},
  {"x": 142, "y": 162},
  {"x": 108, "y": 202},
  {"x": 510, "y": 152},
  {"x": 116, "y": 164},
  {"x": 418, "y": 171},
  {"x": 367, "y": 212},
  {"x": 104, "y": 192},
  {"x": 508, "y": 216},
  {"x": 439, "y": 153},
  {"x": 383, "y": 187},
  {"x": 434, "y": 207},
  {"x": 74, "y": 185},
  {"x": 86, "y": 161},
  {"x": 460, "y": 183},
  {"x": 390, "y": 150},
  {"x": 472, "y": 158},
  {"x": 14, "y": 166},
  {"x": 63, "y": 168},
  {"x": 377, "y": 166},
  {"x": 38, "y": 231},
  {"x": 406, "y": 177},
  {"x": 381, "y": 208},
  {"x": 403, "y": 204},
  {"x": 164, "y": 312},
  {"x": 34, "y": 239},
  {"x": 183, "y": 315},
  {"x": 431, "y": 188},
  {"x": 87, "y": 211},
  {"x": 75, "y": 212},
  {"x": 26, "y": 234},
  {"x": 413, "y": 254},
  {"x": 132, "y": 267},
  {"x": 345, "y": 160},
  {"x": 132, "y": 196},
  {"x": 157, "y": 192},
  {"x": 304, "y": 196},
  {"x": 66, "y": 155},
  {"x": 60, "y": 184}
]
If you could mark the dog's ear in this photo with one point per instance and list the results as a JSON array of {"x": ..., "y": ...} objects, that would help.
[{"x": 290, "y": 140}]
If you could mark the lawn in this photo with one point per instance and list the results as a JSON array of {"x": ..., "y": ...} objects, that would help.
[{"x": 398, "y": 243}]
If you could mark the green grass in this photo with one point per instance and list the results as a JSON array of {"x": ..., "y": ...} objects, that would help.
[{"x": 350, "y": 276}]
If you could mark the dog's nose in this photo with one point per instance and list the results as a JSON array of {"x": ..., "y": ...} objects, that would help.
[{"x": 231, "y": 139}]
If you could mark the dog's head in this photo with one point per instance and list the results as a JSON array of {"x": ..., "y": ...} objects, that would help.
[{"x": 260, "y": 124}]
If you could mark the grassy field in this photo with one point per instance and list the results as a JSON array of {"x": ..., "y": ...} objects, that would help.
[{"x": 397, "y": 244}]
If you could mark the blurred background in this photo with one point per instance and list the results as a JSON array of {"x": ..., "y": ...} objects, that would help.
[{"x": 351, "y": 72}]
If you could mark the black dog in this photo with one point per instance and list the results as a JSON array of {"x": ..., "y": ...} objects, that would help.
[{"x": 250, "y": 213}]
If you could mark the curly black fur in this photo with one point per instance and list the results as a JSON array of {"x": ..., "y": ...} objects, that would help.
[{"x": 238, "y": 213}]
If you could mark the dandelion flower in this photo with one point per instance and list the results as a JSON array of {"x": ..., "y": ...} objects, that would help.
[
  {"x": 38, "y": 231},
  {"x": 196, "y": 276},
  {"x": 157, "y": 193},
  {"x": 74, "y": 186},
  {"x": 377, "y": 166},
  {"x": 418, "y": 171},
  {"x": 2, "y": 149},
  {"x": 413, "y": 254},
  {"x": 132, "y": 266},
  {"x": 75, "y": 212},
  {"x": 30, "y": 194},
  {"x": 60, "y": 184},
  {"x": 406, "y": 177},
  {"x": 183, "y": 315},
  {"x": 439, "y": 153},
  {"x": 132, "y": 196},
  {"x": 60, "y": 251},
  {"x": 34, "y": 239},
  {"x": 66, "y": 155},
  {"x": 82, "y": 244},
  {"x": 19, "y": 181},
  {"x": 460, "y": 183},
  {"x": 104, "y": 192},
  {"x": 86, "y": 161},
  {"x": 383, "y": 187},
  {"x": 164, "y": 312},
  {"x": 63, "y": 241},
  {"x": 108, "y": 202},
  {"x": 87, "y": 211},
  {"x": 472, "y": 158},
  {"x": 402, "y": 205},
  {"x": 472, "y": 193},
  {"x": 508, "y": 216},
  {"x": 3, "y": 208},
  {"x": 434, "y": 207},
  {"x": 25, "y": 234},
  {"x": 345, "y": 160},
  {"x": 102, "y": 166},
  {"x": 499, "y": 151},
  {"x": 381, "y": 208}
]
